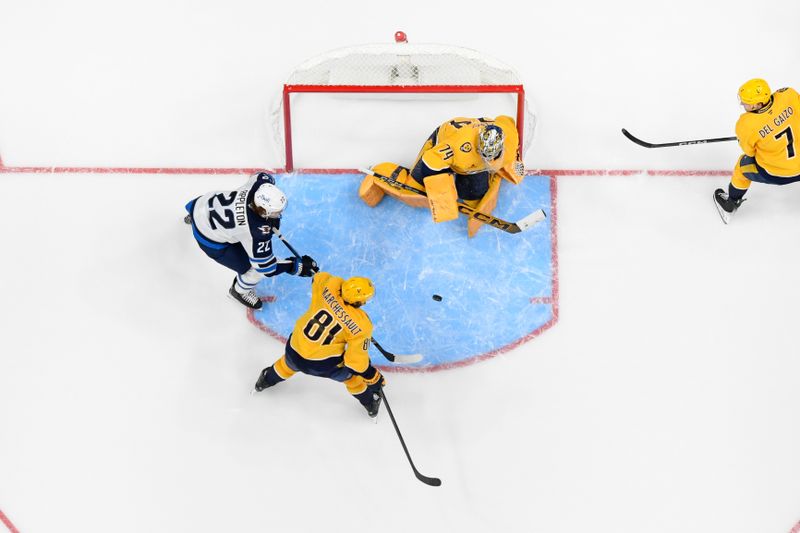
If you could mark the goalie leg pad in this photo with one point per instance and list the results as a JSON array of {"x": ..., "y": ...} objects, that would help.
[
  {"x": 399, "y": 174},
  {"x": 442, "y": 197},
  {"x": 370, "y": 192}
]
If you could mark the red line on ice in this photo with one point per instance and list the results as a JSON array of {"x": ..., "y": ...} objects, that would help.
[
  {"x": 4, "y": 519},
  {"x": 537, "y": 300},
  {"x": 234, "y": 170}
]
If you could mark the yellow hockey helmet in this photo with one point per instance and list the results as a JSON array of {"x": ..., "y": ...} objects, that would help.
[
  {"x": 357, "y": 291},
  {"x": 490, "y": 142},
  {"x": 755, "y": 91}
]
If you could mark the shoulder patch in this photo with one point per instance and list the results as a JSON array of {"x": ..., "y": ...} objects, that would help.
[{"x": 466, "y": 147}]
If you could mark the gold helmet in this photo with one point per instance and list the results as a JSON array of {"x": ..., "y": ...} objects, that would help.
[
  {"x": 357, "y": 291},
  {"x": 755, "y": 91}
]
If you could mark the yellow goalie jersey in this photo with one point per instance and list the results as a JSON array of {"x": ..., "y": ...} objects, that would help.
[
  {"x": 768, "y": 134},
  {"x": 455, "y": 146},
  {"x": 332, "y": 331}
]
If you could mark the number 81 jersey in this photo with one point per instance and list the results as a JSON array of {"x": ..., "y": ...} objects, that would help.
[{"x": 332, "y": 332}]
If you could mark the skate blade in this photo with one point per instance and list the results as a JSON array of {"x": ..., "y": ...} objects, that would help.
[
  {"x": 724, "y": 215},
  {"x": 241, "y": 303}
]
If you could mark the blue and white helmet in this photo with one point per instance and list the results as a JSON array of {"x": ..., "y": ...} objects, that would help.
[
  {"x": 271, "y": 199},
  {"x": 490, "y": 142},
  {"x": 264, "y": 175}
]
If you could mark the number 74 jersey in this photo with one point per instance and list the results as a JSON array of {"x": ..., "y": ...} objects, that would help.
[
  {"x": 772, "y": 134},
  {"x": 331, "y": 330}
]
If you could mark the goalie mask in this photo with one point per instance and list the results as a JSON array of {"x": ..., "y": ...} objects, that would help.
[
  {"x": 270, "y": 200},
  {"x": 490, "y": 142}
]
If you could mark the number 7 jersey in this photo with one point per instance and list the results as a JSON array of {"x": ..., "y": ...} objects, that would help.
[
  {"x": 772, "y": 134},
  {"x": 332, "y": 330}
]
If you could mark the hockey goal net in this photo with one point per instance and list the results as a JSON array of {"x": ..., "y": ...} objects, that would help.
[{"x": 379, "y": 102}]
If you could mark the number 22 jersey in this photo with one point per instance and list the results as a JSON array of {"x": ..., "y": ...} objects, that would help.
[{"x": 224, "y": 217}]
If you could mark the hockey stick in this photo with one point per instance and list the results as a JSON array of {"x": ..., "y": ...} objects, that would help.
[
  {"x": 511, "y": 227},
  {"x": 392, "y": 358},
  {"x": 284, "y": 241},
  {"x": 640, "y": 142},
  {"x": 432, "y": 481},
  {"x": 397, "y": 358}
]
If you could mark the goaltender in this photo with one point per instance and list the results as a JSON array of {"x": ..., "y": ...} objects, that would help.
[{"x": 464, "y": 158}]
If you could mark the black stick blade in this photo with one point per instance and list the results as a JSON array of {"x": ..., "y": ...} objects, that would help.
[
  {"x": 432, "y": 481},
  {"x": 638, "y": 141}
]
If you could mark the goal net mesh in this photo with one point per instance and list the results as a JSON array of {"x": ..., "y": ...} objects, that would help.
[{"x": 433, "y": 80}]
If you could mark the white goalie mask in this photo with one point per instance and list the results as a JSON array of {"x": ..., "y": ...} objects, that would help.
[
  {"x": 490, "y": 142},
  {"x": 271, "y": 199}
]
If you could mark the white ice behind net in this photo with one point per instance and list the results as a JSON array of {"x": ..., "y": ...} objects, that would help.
[{"x": 403, "y": 65}]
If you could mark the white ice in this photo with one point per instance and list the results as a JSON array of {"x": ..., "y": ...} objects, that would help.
[{"x": 665, "y": 399}]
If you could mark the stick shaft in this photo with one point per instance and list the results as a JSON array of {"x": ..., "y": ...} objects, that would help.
[
  {"x": 432, "y": 481},
  {"x": 646, "y": 144}
]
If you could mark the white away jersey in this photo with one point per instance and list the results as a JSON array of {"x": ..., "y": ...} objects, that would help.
[{"x": 223, "y": 217}]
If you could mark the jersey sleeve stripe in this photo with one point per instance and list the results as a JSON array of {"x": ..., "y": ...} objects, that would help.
[{"x": 262, "y": 265}]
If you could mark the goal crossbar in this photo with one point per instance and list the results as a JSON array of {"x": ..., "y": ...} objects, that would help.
[{"x": 288, "y": 89}]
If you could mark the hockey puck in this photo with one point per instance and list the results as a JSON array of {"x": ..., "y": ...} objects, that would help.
[{"x": 437, "y": 297}]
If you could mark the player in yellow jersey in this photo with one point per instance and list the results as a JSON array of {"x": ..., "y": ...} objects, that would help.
[
  {"x": 766, "y": 133},
  {"x": 464, "y": 158},
  {"x": 331, "y": 340}
]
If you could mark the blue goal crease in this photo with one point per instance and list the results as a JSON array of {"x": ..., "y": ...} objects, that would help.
[{"x": 496, "y": 288}]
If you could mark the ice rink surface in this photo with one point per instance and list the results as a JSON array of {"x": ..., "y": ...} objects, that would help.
[
  {"x": 665, "y": 399},
  {"x": 498, "y": 286}
]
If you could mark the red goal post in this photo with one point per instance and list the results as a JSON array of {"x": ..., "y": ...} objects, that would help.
[{"x": 409, "y": 71}]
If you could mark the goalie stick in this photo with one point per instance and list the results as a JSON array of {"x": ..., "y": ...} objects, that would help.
[
  {"x": 399, "y": 359},
  {"x": 432, "y": 481},
  {"x": 646, "y": 144},
  {"x": 521, "y": 225}
]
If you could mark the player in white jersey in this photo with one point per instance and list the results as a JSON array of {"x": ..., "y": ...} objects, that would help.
[{"x": 234, "y": 228}]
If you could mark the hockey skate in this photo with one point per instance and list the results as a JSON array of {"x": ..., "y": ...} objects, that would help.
[
  {"x": 262, "y": 382},
  {"x": 247, "y": 299},
  {"x": 725, "y": 205},
  {"x": 373, "y": 406}
]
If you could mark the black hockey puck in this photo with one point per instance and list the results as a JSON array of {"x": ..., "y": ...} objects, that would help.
[{"x": 437, "y": 297}]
